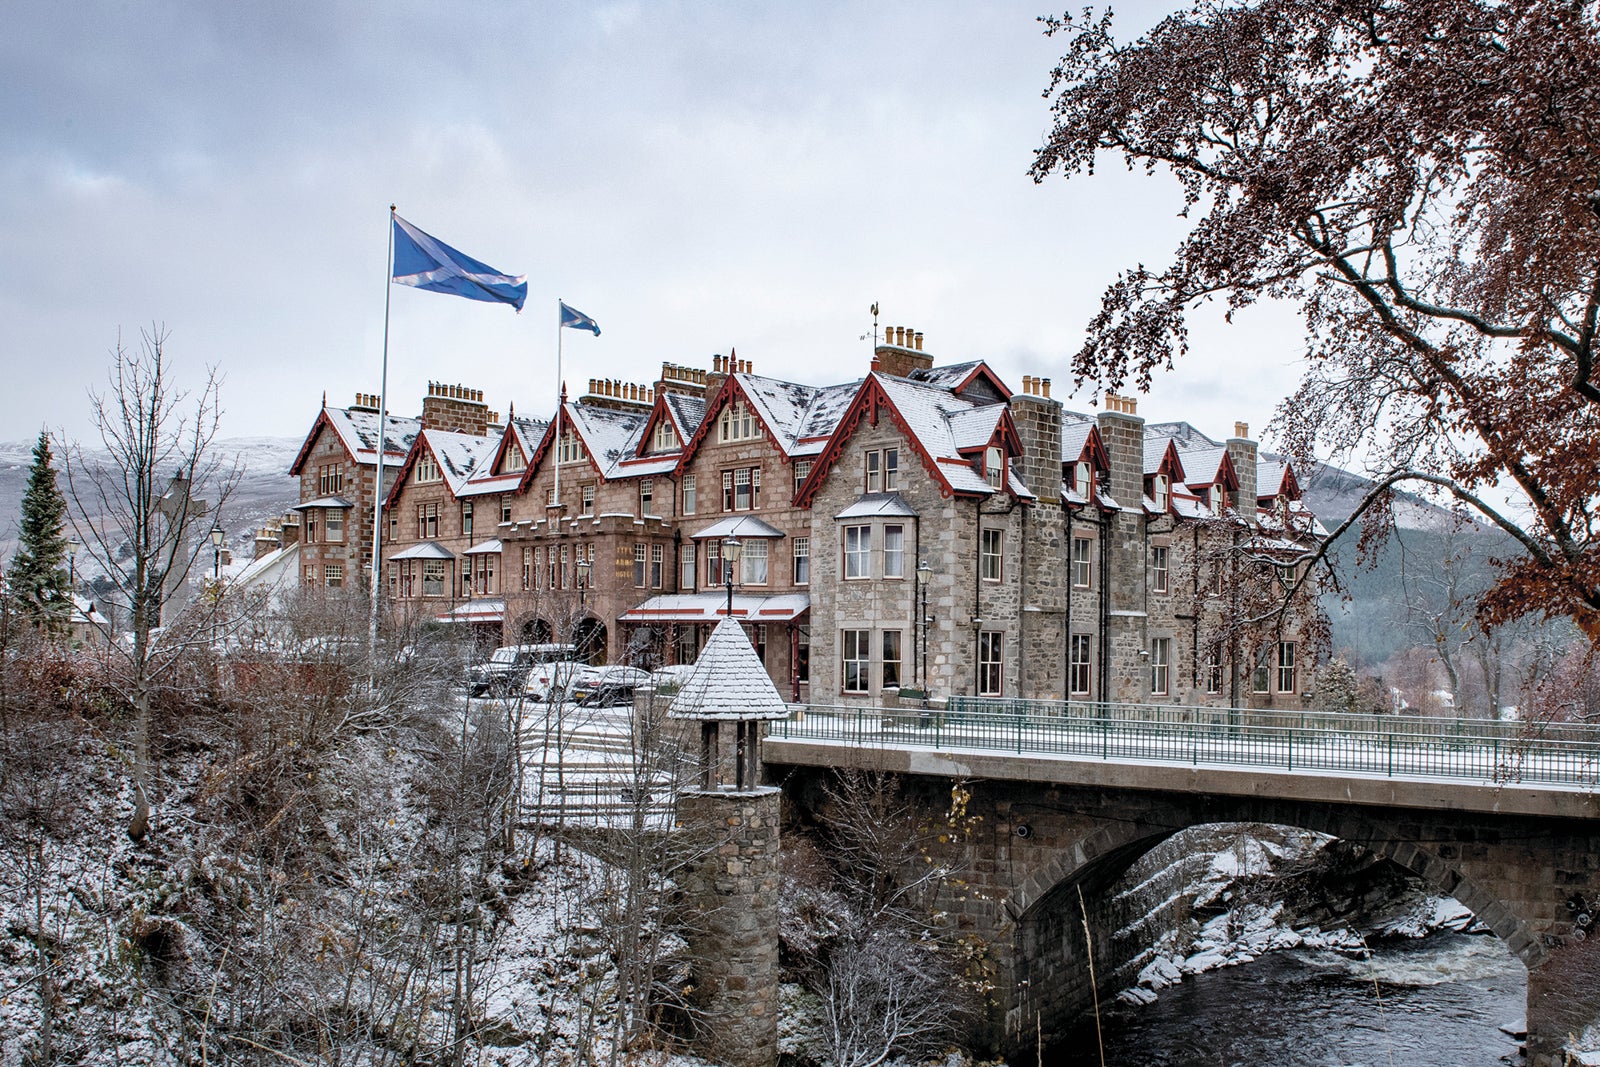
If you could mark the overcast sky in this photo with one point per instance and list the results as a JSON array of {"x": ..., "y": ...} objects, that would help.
[{"x": 697, "y": 177}]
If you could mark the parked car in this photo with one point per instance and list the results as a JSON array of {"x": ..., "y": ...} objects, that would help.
[
  {"x": 507, "y": 670},
  {"x": 553, "y": 680},
  {"x": 607, "y": 680}
]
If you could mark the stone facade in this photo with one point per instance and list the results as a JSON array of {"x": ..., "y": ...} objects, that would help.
[
  {"x": 1036, "y": 586},
  {"x": 732, "y": 930}
]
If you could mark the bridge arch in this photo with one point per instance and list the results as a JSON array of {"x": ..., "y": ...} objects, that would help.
[{"x": 1116, "y": 845}]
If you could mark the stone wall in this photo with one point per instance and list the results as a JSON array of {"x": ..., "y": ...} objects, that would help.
[{"x": 733, "y": 926}]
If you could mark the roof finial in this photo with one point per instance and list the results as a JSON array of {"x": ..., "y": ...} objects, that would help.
[{"x": 324, "y": 400}]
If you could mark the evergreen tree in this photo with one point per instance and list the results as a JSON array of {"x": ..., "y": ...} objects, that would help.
[{"x": 38, "y": 576}]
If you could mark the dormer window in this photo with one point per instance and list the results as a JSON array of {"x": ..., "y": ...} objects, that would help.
[
  {"x": 1081, "y": 477},
  {"x": 737, "y": 423},
  {"x": 1158, "y": 491},
  {"x": 427, "y": 470},
  {"x": 994, "y": 466},
  {"x": 1219, "y": 499},
  {"x": 664, "y": 438},
  {"x": 515, "y": 460},
  {"x": 571, "y": 449}
]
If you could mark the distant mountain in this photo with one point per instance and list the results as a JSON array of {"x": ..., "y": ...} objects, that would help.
[{"x": 265, "y": 489}]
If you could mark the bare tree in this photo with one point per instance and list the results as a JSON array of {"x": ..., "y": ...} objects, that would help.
[{"x": 138, "y": 517}]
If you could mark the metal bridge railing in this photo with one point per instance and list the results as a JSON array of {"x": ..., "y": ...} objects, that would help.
[{"x": 1367, "y": 745}]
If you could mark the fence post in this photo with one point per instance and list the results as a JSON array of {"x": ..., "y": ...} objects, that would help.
[
  {"x": 1290, "y": 763},
  {"x": 1391, "y": 754}
]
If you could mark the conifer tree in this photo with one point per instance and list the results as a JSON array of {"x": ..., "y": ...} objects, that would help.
[{"x": 38, "y": 574}]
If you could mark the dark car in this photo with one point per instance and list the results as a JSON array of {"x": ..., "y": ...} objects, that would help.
[{"x": 506, "y": 670}]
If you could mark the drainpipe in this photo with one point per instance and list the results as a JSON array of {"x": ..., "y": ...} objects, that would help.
[
  {"x": 977, "y": 592},
  {"x": 1066, "y": 651},
  {"x": 1105, "y": 608},
  {"x": 1022, "y": 611},
  {"x": 1194, "y": 616}
]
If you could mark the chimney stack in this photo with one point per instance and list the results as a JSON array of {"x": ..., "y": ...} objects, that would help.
[{"x": 900, "y": 353}]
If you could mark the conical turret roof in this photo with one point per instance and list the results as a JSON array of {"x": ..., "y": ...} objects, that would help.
[{"x": 728, "y": 682}]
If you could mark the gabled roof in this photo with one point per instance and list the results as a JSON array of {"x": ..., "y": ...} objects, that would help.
[
  {"x": 738, "y": 526},
  {"x": 729, "y": 681},
  {"x": 458, "y": 455},
  {"x": 358, "y": 432},
  {"x": 610, "y": 437},
  {"x": 522, "y": 434},
  {"x": 959, "y": 378},
  {"x": 873, "y": 505},
  {"x": 797, "y": 419},
  {"x": 1204, "y": 467},
  {"x": 939, "y": 426},
  {"x": 1161, "y": 453},
  {"x": 1275, "y": 477}
]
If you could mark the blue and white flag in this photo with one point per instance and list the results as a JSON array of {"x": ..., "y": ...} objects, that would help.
[
  {"x": 428, "y": 263},
  {"x": 577, "y": 319}
]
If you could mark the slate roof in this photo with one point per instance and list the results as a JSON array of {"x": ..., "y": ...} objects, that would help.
[
  {"x": 1074, "y": 435},
  {"x": 711, "y": 606},
  {"x": 1269, "y": 477},
  {"x": 687, "y": 412},
  {"x": 1202, "y": 465},
  {"x": 943, "y": 424},
  {"x": 324, "y": 502},
  {"x": 947, "y": 377},
  {"x": 612, "y": 437},
  {"x": 738, "y": 526},
  {"x": 729, "y": 682},
  {"x": 868, "y": 505},
  {"x": 460, "y": 455},
  {"x": 425, "y": 550},
  {"x": 359, "y": 431},
  {"x": 799, "y": 417}
]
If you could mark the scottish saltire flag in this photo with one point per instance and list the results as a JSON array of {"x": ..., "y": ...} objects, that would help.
[
  {"x": 428, "y": 263},
  {"x": 577, "y": 319}
]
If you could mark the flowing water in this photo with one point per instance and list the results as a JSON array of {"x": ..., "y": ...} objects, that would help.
[{"x": 1438, "y": 1002}]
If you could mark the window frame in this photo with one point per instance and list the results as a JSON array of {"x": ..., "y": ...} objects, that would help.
[
  {"x": 756, "y": 550},
  {"x": 991, "y": 554},
  {"x": 688, "y": 486},
  {"x": 1087, "y": 562},
  {"x": 688, "y": 561},
  {"x": 802, "y": 561},
  {"x": 894, "y": 558},
  {"x": 1161, "y": 666},
  {"x": 1287, "y": 666},
  {"x": 855, "y": 660},
  {"x": 891, "y": 666},
  {"x": 991, "y": 674},
  {"x": 1075, "y": 664},
  {"x": 857, "y": 557},
  {"x": 1160, "y": 574}
]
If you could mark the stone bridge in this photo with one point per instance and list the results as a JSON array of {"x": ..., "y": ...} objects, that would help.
[{"x": 1524, "y": 857}]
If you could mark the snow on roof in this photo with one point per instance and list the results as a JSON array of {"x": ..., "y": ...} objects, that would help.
[
  {"x": 610, "y": 435},
  {"x": 1155, "y": 450},
  {"x": 359, "y": 431},
  {"x": 324, "y": 502},
  {"x": 947, "y": 377},
  {"x": 493, "y": 483},
  {"x": 484, "y": 548},
  {"x": 460, "y": 455},
  {"x": 868, "y": 505},
  {"x": 687, "y": 411},
  {"x": 941, "y": 422},
  {"x": 738, "y": 526},
  {"x": 1201, "y": 466},
  {"x": 1074, "y": 436},
  {"x": 975, "y": 428},
  {"x": 728, "y": 682},
  {"x": 527, "y": 433},
  {"x": 709, "y": 607},
  {"x": 799, "y": 417},
  {"x": 425, "y": 550},
  {"x": 1269, "y": 477}
]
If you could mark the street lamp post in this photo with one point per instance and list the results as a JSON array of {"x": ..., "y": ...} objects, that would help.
[
  {"x": 218, "y": 535},
  {"x": 583, "y": 584},
  {"x": 923, "y": 573},
  {"x": 731, "y": 551},
  {"x": 73, "y": 547}
]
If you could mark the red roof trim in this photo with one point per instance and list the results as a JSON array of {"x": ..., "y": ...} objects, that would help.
[
  {"x": 730, "y": 387},
  {"x": 551, "y": 435},
  {"x": 305, "y": 449},
  {"x": 658, "y": 411},
  {"x": 982, "y": 370},
  {"x": 405, "y": 469},
  {"x": 871, "y": 397}
]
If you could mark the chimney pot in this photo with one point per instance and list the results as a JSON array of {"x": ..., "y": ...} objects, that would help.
[
  {"x": 1241, "y": 429},
  {"x": 1044, "y": 384},
  {"x": 919, "y": 340}
]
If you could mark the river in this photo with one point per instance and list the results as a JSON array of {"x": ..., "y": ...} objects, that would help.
[{"x": 1437, "y": 1002}]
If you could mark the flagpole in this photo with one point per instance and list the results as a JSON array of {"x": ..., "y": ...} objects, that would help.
[
  {"x": 383, "y": 418},
  {"x": 561, "y": 395}
]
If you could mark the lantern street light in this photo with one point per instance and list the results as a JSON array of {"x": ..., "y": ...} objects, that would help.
[
  {"x": 924, "y": 572},
  {"x": 74, "y": 546},
  {"x": 218, "y": 535},
  {"x": 584, "y": 567},
  {"x": 731, "y": 551}
]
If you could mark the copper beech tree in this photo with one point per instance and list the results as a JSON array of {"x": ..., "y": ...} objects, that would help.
[{"x": 1422, "y": 177}]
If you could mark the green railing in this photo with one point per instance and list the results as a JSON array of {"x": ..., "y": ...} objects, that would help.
[{"x": 1368, "y": 745}]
